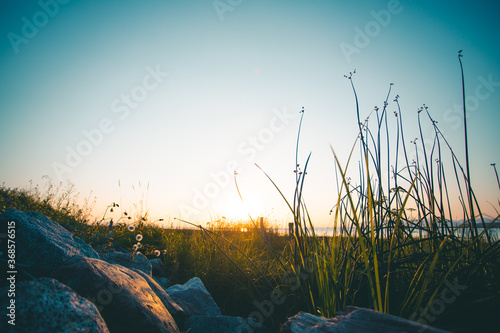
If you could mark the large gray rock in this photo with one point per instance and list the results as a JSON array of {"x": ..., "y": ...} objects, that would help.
[
  {"x": 173, "y": 308},
  {"x": 138, "y": 261},
  {"x": 163, "y": 282},
  {"x": 46, "y": 305},
  {"x": 42, "y": 244},
  {"x": 223, "y": 324},
  {"x": 157, "y": 266},
  {"x": 123, "y": 297},
  {"x": 354, "y": 320},
  {"x": 194, "y": 298}
]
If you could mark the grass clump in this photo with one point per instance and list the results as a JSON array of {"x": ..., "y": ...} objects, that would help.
[
  {"x": 56, "y": 201},
  {"x": 395, "y": 246}
]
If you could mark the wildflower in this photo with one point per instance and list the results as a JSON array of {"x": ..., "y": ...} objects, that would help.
[
  {"x": 139, "y": 245},
  {"x": 135, "y": 247},
  {"x": 138, "y": 237},
  {"x": 157, "y": 253},
  {"x": 131, "y": 228}
]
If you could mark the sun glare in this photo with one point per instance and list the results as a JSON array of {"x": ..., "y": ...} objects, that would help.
[{"x": 235, "y": 209}]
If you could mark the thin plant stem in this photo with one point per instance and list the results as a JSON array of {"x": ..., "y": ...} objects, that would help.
[{"x": 469, "y": 190}]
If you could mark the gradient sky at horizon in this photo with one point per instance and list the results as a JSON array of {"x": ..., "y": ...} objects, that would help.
[{"x": 233, "y": 76}]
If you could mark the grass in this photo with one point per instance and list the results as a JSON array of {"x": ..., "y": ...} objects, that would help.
[
  {"x": 395, "y": 246},
  {"x": 383, "y": 257}
]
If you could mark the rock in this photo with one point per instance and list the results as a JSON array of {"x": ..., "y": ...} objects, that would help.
[
  {"x": 163, "y": 282},
  {"x": 222, "y": 324},
  {"x": 123, "y": 297},
  {"x": 157, "y": 266},
  {"x": 140, "y": 261},
  {"x": 42, "y": 244},
  {"x": 46, "y": 305},
  {"x": 194, "y": 298},
  {"x": 354, "y": 320},
  {"x": 173, "y": 308}
]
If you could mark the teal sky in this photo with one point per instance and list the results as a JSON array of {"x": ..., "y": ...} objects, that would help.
[{"x": 178, "y": 94}]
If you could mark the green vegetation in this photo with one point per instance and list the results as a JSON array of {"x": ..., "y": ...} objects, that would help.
[{"x": 394, "y": 248}]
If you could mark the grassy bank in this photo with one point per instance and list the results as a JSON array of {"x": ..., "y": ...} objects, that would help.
[{"x": 324, "y": 274}]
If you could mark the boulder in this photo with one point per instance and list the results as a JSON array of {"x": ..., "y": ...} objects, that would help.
[
  {"x": 42, "y": 244},
  {"x": 157, "y": 266},
  {"x": 124, "y": 298},
  {"x": 223, "y": 324},
  {"x": 354, "y": 320},
  {"x": 173, "y": 308},
  {"x": 138, "y": 261},
  {"x": 194, "y": 298},
  {"x": 163, "y": 282},
  {"x": 46, "y": 305}
]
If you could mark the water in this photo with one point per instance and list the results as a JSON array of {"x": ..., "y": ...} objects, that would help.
[{"x": 494, "y": 232}]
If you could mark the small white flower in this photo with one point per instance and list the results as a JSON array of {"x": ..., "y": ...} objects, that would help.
[
  {"x": 157, "y": 253},
  {"x": 139, "y": 245},
  {"x": 131, "y": 228},
  {"x": 138, "y": 237},
  {"x": 134, "y": 247}
]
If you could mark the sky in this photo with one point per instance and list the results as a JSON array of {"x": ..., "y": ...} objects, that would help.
[{"x": 154, "y": 104}]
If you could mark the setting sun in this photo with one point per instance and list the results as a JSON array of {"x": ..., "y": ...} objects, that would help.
[{"x": 234, "y": 209}]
